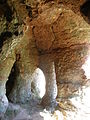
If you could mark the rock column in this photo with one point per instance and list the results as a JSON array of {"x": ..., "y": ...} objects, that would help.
[
  {"x": 26, "y": 64},
  {"x": 48, "y": 69}
]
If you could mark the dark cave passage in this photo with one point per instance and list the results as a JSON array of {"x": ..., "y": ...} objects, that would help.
[
  {"x": 11, "y": 81},
  {"x": 4, "y": 36},
  {"x": 85, "y": 10}
]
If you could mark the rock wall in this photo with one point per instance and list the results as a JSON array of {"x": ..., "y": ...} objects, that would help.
[
  {"x": 69, "y": 71},
  {"x": 5, "y": 68},
  {"x": 50, "y": 34}
]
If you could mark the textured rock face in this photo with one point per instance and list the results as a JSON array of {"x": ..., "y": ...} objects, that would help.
[
  {"x": 69, "y": 71},
  {"x": 26, "y": 63},
  {"x": 5, "y": 68},
  {"x": 50, "y": 34},
  {"x": 62, "y": 28}
]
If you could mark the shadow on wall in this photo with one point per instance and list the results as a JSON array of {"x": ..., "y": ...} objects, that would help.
[{"x": 85, "y": 11}]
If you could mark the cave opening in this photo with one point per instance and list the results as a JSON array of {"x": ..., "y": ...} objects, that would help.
[
  {"x": 4, "y": 36},
  {"x": 38, "y": 85},
  {"x": 11, "y": 81},
  {"x": 8, "y": 13},
  {"x": 85, "y": 10}
]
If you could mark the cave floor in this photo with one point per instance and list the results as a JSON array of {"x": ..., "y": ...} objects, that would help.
[
  {"x": 32, "y": 110},
  {"x": 29, "y": 111}
]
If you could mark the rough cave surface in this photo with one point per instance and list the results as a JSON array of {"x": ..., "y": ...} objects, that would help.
[{"x": 44, "y": 59}]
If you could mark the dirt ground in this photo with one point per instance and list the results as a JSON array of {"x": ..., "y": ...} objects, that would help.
[{"x": 30, "y": 111}]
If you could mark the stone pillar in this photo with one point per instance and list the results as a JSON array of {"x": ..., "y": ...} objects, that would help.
[
  {"x": 5, "y": 68},
  {"x": 48, "y": 69},
  {"x": 21, "y": 91},
  {"x": 26, "y": 64}
]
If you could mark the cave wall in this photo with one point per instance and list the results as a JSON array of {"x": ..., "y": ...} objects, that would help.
[
  {"x": 5, "y": 68},
  {"x": 53, "y": 35},
  {"x": 70, "y": 74}
]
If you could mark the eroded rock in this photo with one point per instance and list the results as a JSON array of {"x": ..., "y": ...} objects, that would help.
[
  {"x": 40, "y": 34},
  {"x": 48, "y": 68}
]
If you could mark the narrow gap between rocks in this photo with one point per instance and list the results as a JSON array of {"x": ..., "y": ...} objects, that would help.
[{"x": 11, "y": 81}]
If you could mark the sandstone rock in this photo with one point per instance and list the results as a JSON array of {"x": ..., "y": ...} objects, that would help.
[{"x": 52, "y": 35}]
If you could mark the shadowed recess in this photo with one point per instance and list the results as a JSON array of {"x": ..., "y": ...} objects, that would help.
[{"x": 85, "y": 9}]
